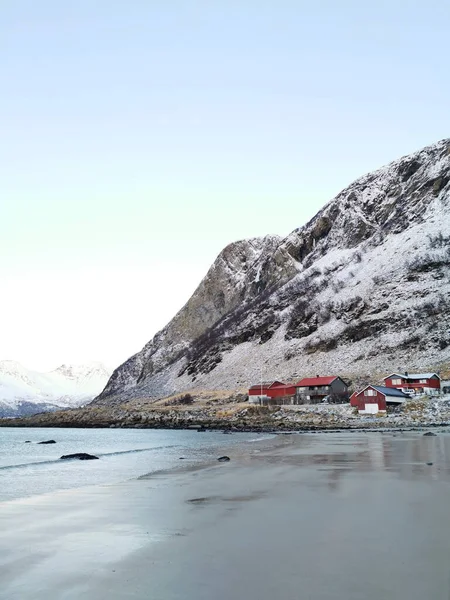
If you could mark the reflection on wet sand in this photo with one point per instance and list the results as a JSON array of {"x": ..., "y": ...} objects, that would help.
[
  {"x": 407, "y": 455},
  {"x": 351, "y": 516}
]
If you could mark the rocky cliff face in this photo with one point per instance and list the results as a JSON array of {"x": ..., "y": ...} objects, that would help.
[{"x": 363, "y": 287}]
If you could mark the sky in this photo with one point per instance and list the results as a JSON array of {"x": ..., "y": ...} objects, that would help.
[{"x": 138, "y": 138}]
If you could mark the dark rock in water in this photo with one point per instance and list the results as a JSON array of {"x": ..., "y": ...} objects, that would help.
[
  {"x": 430, "y": 433},
  {"x": 181, "y": 458},
  {"x": 79, "y": 456},
  {"x": 223, "y": 459},
  {"x": 27, "y": 442},
  {"x": 226, "y": 431},
  {"x": 429, "y": 464},
  {"x": 48, "y": 442}
]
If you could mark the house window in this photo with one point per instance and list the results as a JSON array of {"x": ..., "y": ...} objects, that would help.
[
  {"x": 396, "y": 382},
  {"x": 423, "y": 380},
  {"x": 370, "y": 393}
]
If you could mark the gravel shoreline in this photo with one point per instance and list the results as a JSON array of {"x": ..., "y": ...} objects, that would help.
[{"x": 232, "y": 416}]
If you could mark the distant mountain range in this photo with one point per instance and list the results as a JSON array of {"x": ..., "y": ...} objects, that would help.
[
  {"x": 363, "y": 288},
  {"x": 26, "y": 392}
]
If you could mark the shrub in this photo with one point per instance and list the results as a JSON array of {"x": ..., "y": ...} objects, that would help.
[
  {"x": 303, "y": 320},
  {"x": 289, "y": 354},
  {"x": 428, "y": 262},
  {"x": 443, "y": 344},
  {"x": 184, "y": 399}
]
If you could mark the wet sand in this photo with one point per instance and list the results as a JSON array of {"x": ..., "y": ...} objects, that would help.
[{"x": 346, "y": 516}]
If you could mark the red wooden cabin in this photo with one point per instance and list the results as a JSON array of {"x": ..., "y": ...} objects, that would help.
[
  {"x": 272, "y": 389},
  {"x": 315, "y": 389},
  {"x": 418, "y": 382},
  {"x": 375, "y": 398}
]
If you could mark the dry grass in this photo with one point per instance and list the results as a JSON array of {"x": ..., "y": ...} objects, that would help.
[
  {"x": 415, "y": 405},
  {"x": 225, "y": 413}
]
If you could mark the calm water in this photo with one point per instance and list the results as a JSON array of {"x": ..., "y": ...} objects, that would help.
[{"x": 28, "y": 469}]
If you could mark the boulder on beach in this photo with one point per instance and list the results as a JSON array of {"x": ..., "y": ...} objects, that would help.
[
  {"x": 429, "y": 434},
  {"x": 79, "y": 456},
  {"x": 48, "y": 442},
  {"x": 223, "y": 458}
]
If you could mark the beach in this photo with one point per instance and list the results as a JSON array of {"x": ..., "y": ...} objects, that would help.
[{"x": 308, "y": 516}]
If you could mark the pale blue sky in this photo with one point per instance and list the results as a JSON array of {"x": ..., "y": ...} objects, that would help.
[{"x": 140, "y": 137}]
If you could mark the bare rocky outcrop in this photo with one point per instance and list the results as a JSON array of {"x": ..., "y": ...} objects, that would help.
[{"x": 363, "y": 286}]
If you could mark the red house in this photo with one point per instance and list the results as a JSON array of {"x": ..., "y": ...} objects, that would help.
[
  {"x": 414, "y": 382},
  {"x": 315, "y": 389},
  {"x": 270, "y": 389},
  {"x": 374, "y": 399}
]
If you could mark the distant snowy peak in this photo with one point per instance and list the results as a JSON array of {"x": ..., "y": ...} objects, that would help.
[
  {"x": 83, "y": 371},
  {"x": 13, "y": 368},
  {"x": 363, "y": 285},
  {"x": 24, "y": 390}
]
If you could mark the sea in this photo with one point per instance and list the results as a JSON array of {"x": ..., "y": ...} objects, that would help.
[{"x": 28, "y": 468}]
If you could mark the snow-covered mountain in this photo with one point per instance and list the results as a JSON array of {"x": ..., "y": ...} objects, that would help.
[
  {"x": 364, "y": 287},
  {"x": 23, "y": 391}
]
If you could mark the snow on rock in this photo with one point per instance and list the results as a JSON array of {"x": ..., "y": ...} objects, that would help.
[
  {"x": 23, "y": 391},
  {"x": 364, "y": 287}
]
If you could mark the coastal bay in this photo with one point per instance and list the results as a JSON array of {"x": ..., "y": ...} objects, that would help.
[{"x": 336, "y": 515}]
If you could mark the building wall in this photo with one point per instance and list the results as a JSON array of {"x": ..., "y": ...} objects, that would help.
[
  {"x": 258, "y": 399},
  {"x": 388, "y": 382},
  {"x": 257, "y": 392},
  {"x": 338, "y": 387},
  {"x": 371, "y": 408},
  {"x": 273, "y": 392},
  {"x": 314, "y": 390},
  {"x": 360, "y": 400},
  {"x": 433, "y": 382},
  {"x": 308, "y": 395},
  {"x": 445, "y": 386},
  {"x": 278, "y": 392}
]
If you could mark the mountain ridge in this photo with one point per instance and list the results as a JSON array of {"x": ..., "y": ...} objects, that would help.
[
  {"x": 25, "y": 391},
  {"x": 344, "y": 291}
]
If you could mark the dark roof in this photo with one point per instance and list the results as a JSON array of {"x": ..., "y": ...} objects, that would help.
[{"x": 387, "y": 391}]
